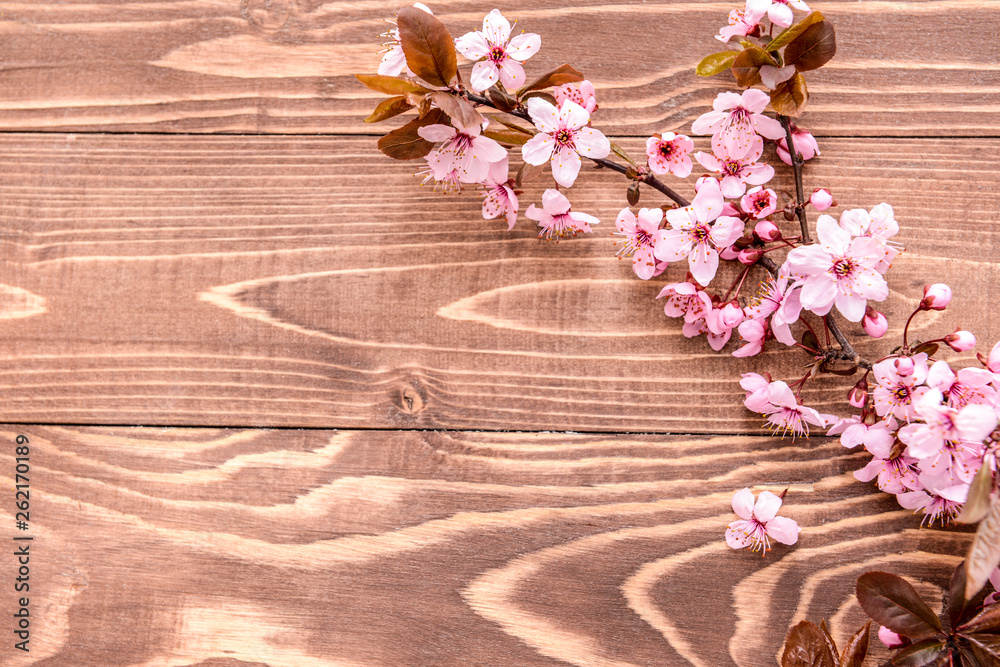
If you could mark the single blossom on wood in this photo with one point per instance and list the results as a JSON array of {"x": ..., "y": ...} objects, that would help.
[
  {"x": 758, "y": 522},
  {"x": 563, "y": 136},
  {"x": 499, "y": 56}
]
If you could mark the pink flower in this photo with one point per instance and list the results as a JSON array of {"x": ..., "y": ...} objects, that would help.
[
  {"x": 895, "y": 392},
  {"x": 499, "y": 56},
  {"x": 685, "y": 300},
  {"x": 669, "y": 153},
  {"x": 556, "y": 219},
  {"x": 464, "y": 150},
  {"x": 694, "y": 237},
  {"x": 805, "y": 145},
  {"x": 759, "y": 203},
  {"x": 742, "y": 22},
  {"x": 839, "y": 270},
  {"x": 754, "y": 332},
  {"x": 780, "y": 13},
  {"x": 758, "y": 522},
  {"x": 581, "y": 92},
  {"x": 821, "y": 199},
  {"x": 890, "y": 639},
  {"x": 936, "y": 297},
  {"x": 785, "y": 414},
  {"x": 562, "y": 137},
  {"x": 735, "y": 121},
  {"x": 968, "y": 386},
  {"x": 394, "y": 61},
  {"x": 737, "y": 172},
  {"x": 641, "y": 234},
  {"x": 878, "y": 224},
  {"x": 874, "y": 323},
  {"x": 499, "y": 197},
  {"x": 943, "y": 423},
  {"x": 767, "y": 230},
  {"x": 935, "y": 507}
]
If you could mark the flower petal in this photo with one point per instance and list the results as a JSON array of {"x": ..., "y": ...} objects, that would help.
[
  {"x": 783, "y": 530},
  {"x": 767, "y": 506},
  {"x": 573, "y": 116},
  {"x": 472, "y": 46},
  {"x": 496, "y": 28},
  {"x": 511, "y": 74},
  {"x": 538, "y": 149},
  {"x": 484, "y": 75},
  {"x": 543, "y": 114},
  {"x": 565, "y": 166},
  {"x": 743, "y": 503},
  {"x": 591, "y": 143},
  {"x": 523, "y": 46}
]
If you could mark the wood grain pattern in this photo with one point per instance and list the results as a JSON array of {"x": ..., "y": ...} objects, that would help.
[
  {"x": 284, "y": 66},
  {"x": 182, "y": 547},
  {"x": 312, "y": 282}
]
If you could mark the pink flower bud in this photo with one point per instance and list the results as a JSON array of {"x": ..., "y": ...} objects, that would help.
[
  {"x": 749, "y": 256},
  {"x": 732, "y": 314},
  {"x": 701, "y": 181},
  {"x": 858, "y": 396},
  {"x": 732, "y": 252},
  {"x": 730, "y": 210},
  {"x": 874, "y": 323},
  {"x": 890, "y": 639},
  {"x": 936, "y": 297},
  {"x": 904, "y": 366},
  {"x": 961, "y": 341},
  {"x": 821, "y": 199},
  {"x": 767, "y": 230}
]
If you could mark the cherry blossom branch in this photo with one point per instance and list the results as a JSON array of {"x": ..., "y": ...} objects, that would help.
[{"x": 647, "y": 178}]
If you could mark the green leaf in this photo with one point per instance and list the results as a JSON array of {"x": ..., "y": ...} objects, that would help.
[
  {"x": 428, "y": 46},
  {"x": 987, "y": 620},
  {"x": 813, "y": 48},
  {"x": 793, "y": 31},
  {"x": 620, "y": 152},
  {"x": 557, "y": 77},
  {"x": 390, "y": 85},
  {"x": 977, "y": 505},
  {"x": 929, "y": 653},
  {"x": 857, "y": 648},
  {"x": 984, "y": 554},
  {"x": 405, "y": 143},
  {"x": 507, "y": 136},
  {"x": 716, "y": 63},
  {"x": 806, "y": 646},
  {"x": 790, "y": 97},
  {"x": 746, "y": 66},
  {"x": 457, "y": 109},
  {"x": 891, "y": 601},
  {"x": 389, "y": 108}
]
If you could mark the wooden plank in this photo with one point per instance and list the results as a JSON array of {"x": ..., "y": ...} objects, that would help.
[
  {"x": 311, "y": 282},
  {"x": 284, "y": 66},
  {"x": 331, "y": 548}
]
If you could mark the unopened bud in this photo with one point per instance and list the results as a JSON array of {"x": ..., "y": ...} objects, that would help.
[
  {"x": 874, "y": 323},
  {"x": 701, "y": 181},
  {"x": 961, "y": 341},
  {"x": 936, "y": 297},
  {"x": 730, "y": 210},
  {"x": 821, "y": 199},
  {"x": 789, "y": 212},
  {"x": 730, "y": 253},
  {"x": 858, "y": 396},
  {"x": 749, "y": 256},
  {"x": 890, "y": 639},
  {"x": 904, "y": 366},
  {"x": 732, "y": 314},
  {"x": 767, "y": 230}
]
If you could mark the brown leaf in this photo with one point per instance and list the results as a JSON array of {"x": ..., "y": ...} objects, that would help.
[
  {"x": 929, "y": 348},
  {"x": 557, "y": 77},
  {"x": 806, "y": 646},
  {"x": 428, "y": 46},
  {"x": 790, "y": 97},
  {"x": 977, "y": 505},
  {"x": 813, "y": 48},
  {"x": 929, "y": 653},
  {"x": 620, "y": 152},
  {"x": 389, "y": 108},
  {"x": 746, "y": 66},
  {"x": 988, "y": 620},
  {"x": 988, "y": 645},
  {"x": 632, "y": 194},
  {"x": 857, "y": 648},
  {"x": 512, "y": 125},
  {"x": 891, "y": 601},
  {"x": 405, "y": 144},
  {"x": 548, "y": 97},
  {"x": 507, "y": 136},
  {"x": 793, "y": 31},
  {"x": 457, "y": 109},
  {"x": 984, "y": 554},
  {"x": 829, "y": 638},
  {"x": 501, "y": 99},
  {"x": 715, "y": 63},
  {"x": 390, "y": 85},
  {"x": 528, "y": 172}
]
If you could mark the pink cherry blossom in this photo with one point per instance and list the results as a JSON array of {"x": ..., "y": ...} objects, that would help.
[
  {"x": 894, "y": 392},
  {"x": 821, "y": 199},
  {"x": 735, "y": 121},
  {"x": 878, "y": 224},
  {"x": 784, "y": 412},
  {"x": 499, "y": 55},
  {"x": 744, "y": 21},
  {"x": 890, "y": 639},
  {"x": 874, "y": 323},
  {"x": 737, "y": 172},
  {"x": 767, "y": 230},
  {"x": 463, "y": 149},
  {"x": 640, "y": 234},
  {"x": 693, "y": 236},
  {"x": 581, "y": 92},
  {"x": 780, "y": 300},
  {"x": 759, "y": 203},
  {"x": 563, "y": 137},
  {"x": 557, "y": 220},
  {"x": 669, "y": 153},
  {"x": 449, "y": 180},
  {"x": 935, "y": 507},
  {"x": 758, "y": 521},
  {"x": 499, "y": 197},
  {"x": 968, "y": 386},
  {"x": 685, "y": 300},
  {"x": 936, "y": 297},
  {"x": 839, "y": 270},
  {"x": 754, "y": 332},
  {"x": 394, "y": 61},
  {"x": 805, "y": 145}
]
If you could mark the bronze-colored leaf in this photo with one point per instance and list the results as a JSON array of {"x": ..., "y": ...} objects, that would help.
[
  {"x": 929, "y": 653},
  {"x": 528, "y": 172},
  {"x": 829, "y": 638},
  {"x": 988, "y": 645},
  {"x": 929, "y": 348},
  {"x": 790, "y": 97},
  {"x": 512, "y": 125},
  {"x": 389, "y": 108},
  {"x": 390, "y": 85},
  {"x": 955, "y": 605},
  {"x": 507, "y": 136},
  {"x": 809, "y": 340},
  {"x": 715, "y": 63},
  {"x": 557, "y": 77},
  {"x": 428, "y": 46},
  {"x": 632, "y": 194},
  {"x": 813, "y": 48},
  {"x": 891, "y": 601},
  {"x": 806, "y": 646},
  {"x": 405, "y": 143},
  {"x": 457, "y": 109},
  {"x": 501, "y": 99},
  {"x": 857, "y": 648},
  {"x": 988, "y": 620},
  {"x": 793, "y": 31},
  {"x": 747, "y": 64},
  {"x": 977, "y": 505},
  {"x": 548, "y": 97},
  {"x": 620, "y": 152},
  {"x": 984, "y": 554}
]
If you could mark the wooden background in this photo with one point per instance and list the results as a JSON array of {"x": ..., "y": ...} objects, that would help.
[{"x": 289, "y": 408}]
